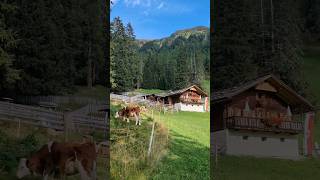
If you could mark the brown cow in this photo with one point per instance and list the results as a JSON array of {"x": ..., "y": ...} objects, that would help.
[
  {"x": 129, "y": 112},
  {"x": 39, "y": 164},
  {"x": 61, "y": 159}
]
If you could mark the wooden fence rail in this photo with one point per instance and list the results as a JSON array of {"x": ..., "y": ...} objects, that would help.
[
  {"x": 60, "y": 100},
  {"x": 51, "y": 119}
]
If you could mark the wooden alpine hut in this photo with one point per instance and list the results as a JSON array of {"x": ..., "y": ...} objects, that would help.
[{"x": 262, "y": 118}]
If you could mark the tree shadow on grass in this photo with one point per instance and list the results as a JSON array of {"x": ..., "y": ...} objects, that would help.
[{"x": 186, "y": 159}]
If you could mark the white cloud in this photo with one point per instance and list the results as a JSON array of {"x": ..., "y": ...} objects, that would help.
[
  {"x": 114, "y": 2},
  {"x": 134, "y": 3},
  {"x": 149, "y": 7},
  {"x": 144, "y": 3},
  {"x": 146, "y": 13},
  {"x": 160, "y": 5}
]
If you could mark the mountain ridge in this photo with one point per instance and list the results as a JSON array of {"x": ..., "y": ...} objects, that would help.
[{"x": 201, "y": 31}]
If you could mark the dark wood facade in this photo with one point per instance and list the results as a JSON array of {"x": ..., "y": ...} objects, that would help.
[
  {"x": 259, "y": 106},
  {"x": 191, "y": 95}
]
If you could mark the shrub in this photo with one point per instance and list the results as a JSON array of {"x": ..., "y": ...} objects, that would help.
[{"x": 12, "y": 149}]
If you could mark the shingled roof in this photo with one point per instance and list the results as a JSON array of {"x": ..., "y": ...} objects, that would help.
[
  {"x": 180, "y": 91},
  {"x": 284, "y": 92}
]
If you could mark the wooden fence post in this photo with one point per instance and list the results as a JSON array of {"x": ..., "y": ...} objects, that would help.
[
  {"x": 19, "y": 127},
  {"x": 216, "y": 155},
  {"x": 106, "y": 125},
  {"x": 152, "y": 113},
  {"x": 66, "y": 119},
  {"x": 151, "y": 139}
]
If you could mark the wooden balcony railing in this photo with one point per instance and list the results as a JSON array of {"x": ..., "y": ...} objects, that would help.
[
  {"x": 191, "y": 100},
  {"x": 251, "y": 123}
]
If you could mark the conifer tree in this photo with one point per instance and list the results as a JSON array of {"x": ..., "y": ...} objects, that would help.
[{"x": 8, "y": 75}]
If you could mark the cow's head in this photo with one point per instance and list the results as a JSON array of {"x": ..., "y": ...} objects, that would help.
[{"x": 23, "y": 169}]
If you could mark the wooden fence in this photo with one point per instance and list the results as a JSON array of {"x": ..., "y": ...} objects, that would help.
[
  {"x": 52, "y": 119},
  {"x": 35, "y": 100},
  {"x": 133, "y": 99}
]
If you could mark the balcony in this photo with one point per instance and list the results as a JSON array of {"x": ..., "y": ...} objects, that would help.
[
  {"x": 191, "y": 100},
  {"x": 257, "y": 124}
]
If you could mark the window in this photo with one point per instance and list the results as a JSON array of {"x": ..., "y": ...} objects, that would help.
[
  {"x": 282, "y": 139},
  {"x": 263, "y": 138},
  {"x": 245, "y": 137}
]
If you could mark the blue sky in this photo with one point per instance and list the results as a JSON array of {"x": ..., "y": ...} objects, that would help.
[{"x": 154, "y": 19}]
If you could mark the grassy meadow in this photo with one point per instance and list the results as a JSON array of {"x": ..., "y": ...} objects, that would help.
[
  {"x": 149, "y": 91},
  {"x": 180, "y": 149},
  {"x": 189, "y": 146},
  {"x": 250, "y": 168},
  {"x": 129, "y": 147}
]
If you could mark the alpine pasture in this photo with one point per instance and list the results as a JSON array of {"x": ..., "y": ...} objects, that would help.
[{"x": 180, "y": 148}]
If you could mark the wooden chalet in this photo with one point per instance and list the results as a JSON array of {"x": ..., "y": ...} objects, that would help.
[
  {"x": 262, "y": 117},
  {"x": 192, "y": 98}
]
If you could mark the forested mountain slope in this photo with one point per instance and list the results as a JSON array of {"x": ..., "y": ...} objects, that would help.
[{"x": 176, "y": 61}]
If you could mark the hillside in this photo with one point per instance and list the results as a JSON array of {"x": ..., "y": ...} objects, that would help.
[
  {"x": 176, "y": 61},
  {"x": 200, "y": 32},
  {"x": 170, "y": 63}
]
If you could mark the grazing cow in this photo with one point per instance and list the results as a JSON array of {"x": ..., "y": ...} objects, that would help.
[
  {"x": 128, "y": 112},
  {"x": 39, "y": 164},
  {"x": 61, "y": 159}
]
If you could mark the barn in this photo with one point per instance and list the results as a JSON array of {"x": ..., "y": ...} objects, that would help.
[
  {"x": 262, "y": 118},
  {"x": 192, "y": 99}
]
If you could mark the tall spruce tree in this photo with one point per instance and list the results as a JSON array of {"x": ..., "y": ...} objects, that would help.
[
  {"x": 254, "y": 38},
  {"x": 52, "y": 51},
  {"x": 8, "y": 75},
  {"x": 183, "y": 71},
  {"x": 125, "y": 67}
]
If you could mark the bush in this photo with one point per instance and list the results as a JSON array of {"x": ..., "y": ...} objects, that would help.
[{"x": 12, "y": 149}]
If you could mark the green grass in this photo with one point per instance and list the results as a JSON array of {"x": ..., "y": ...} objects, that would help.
[
  {"x": 250, "y": 168},
  {"x": 98, "y": 91},
  {"x": 149, "y": 91},
  {"x": 188, "y": 155},
  {"x": 129, "y": 147},
  {"x": 206, "y": 86}
]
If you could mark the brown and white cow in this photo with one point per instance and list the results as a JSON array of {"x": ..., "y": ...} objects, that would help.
[
  {"x": 61, "y": 159},
  {"x": 128, "y": 112}
]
